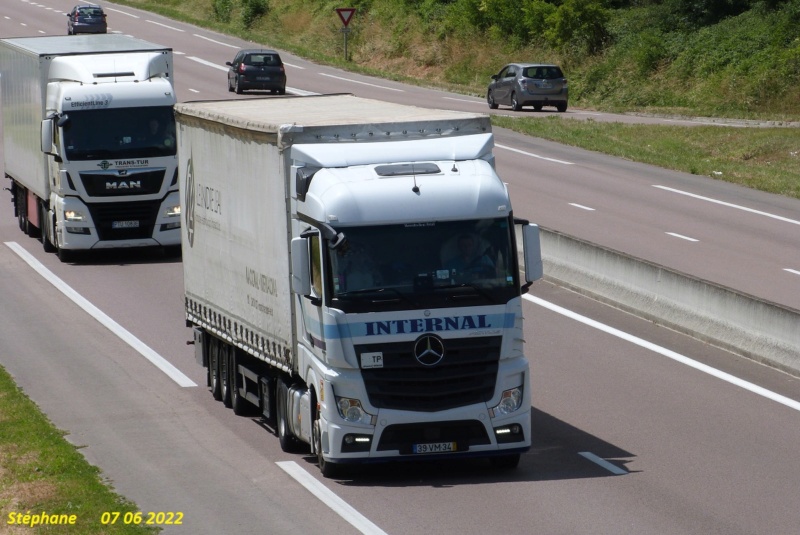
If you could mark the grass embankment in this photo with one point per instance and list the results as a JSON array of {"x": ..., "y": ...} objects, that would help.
[{"x": 43, "y": 474}]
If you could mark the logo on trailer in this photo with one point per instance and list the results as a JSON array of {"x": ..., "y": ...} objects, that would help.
[
  {"x": 429, "y": 350},
  {"x": 189, "y": 202}
]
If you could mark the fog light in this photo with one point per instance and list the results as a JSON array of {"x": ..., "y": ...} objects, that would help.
[
  {"x": 170, "y": 226},
  {"x": 78, "y": 230},
  {"x": 353, "y": 443},
  {"x": 509, "y": 433}
]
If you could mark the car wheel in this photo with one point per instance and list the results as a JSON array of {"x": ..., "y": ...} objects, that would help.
[
  {"x": 537, "y": 107},
  {"x": 515, "y": 105},
  {"x": 236, "y": 86},
  {"x": 562, "y": 107},
  {"x": 490, "y": 100},
  {"x": 282, "y": 91},
  {"x": 230, "y": 86}
]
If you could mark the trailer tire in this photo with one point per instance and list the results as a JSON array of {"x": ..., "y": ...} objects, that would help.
[
  {"x": 240, "y": 406},
  {"x": 224, "y": 373},
  {"x": 213, "y": 368}
]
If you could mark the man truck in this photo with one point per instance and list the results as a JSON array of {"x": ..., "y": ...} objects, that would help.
[
  {"x": 330, "y": 286},
  {"x": 89, "y": 142}
]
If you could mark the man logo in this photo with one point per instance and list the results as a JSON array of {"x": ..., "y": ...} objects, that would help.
[{"x": 429, "y": 350}]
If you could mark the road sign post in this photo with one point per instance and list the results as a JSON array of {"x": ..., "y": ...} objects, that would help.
[{"x": 345, "y": 14}]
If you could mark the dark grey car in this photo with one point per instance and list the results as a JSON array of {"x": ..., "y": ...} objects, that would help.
[
  {"x": 86, "y": 18},
  {"x": 528, "y": 84},
  {"x": 256, "y": 69}
]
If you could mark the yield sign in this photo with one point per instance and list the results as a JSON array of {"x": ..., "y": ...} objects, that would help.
[{"x": 345, "y": 13}]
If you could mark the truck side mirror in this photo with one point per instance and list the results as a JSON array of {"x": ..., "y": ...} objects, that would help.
[
  {"x": 47, "y": 137},
  {"x": 301, "y": 276},
  {"x": 531, "y": 244}
]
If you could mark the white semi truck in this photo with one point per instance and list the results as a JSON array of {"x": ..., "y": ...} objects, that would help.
[
  {"x": 89, "y": 141},
  {"x": 351, "y": 269}
]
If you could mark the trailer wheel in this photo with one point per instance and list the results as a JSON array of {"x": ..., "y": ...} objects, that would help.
[
  {"x": 224, "y": 373},
  {"x": 240, "y": 406},
  {"x": 213, "y": 368}
]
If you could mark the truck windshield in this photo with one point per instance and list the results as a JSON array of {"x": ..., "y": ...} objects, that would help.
[
  {"x": 424, "y": 265},
  {"x": 119, "y": 133}
]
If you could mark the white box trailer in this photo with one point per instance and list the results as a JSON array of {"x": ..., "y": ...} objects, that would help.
[
  {"x": 324, "y": 284},
  {"x": 86, "y": 171}
]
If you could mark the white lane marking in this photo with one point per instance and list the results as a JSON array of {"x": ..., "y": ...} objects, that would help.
[
  {"x": 214, "y": 40},
  {"x": 208, "y": 63},
  {"x": 165, "y": 26},
  {"x": 582, "y": 207},
  {"x": 532, "y": 155},
  {"x": 792, "y": 271},
  {"x": 326, "y": 496},
  {"x": 681, "y": 236},
  {"x": 193, "y": 90},
  {"x": 729, "y": 205},
  {"x": 362, "y": 83},
  {"x": 160, "y": 362},
  {"x": 614, "y": 469},
  {"x": 123, "y": 12},
  {"x": 481, "y": 102},
  {"x": 783, "y": 400}
]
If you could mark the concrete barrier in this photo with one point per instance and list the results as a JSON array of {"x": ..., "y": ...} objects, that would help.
[{"x": 740, "y": 323}]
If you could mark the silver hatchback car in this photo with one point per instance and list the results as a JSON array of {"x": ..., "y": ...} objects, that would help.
[{"x": 528, "y": 84}]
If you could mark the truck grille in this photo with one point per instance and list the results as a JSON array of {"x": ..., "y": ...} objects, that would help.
[
  {"x": 466, "y": 375},
  {"x": 114, "y": 185},
  {"x": 125, "y": 221}
]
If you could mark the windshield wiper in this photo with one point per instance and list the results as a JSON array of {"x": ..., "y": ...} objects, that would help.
[{"x": 366, "y": 291}]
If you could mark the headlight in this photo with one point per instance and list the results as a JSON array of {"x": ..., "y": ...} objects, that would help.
[
  {"x": 351, "y": 410},
  {"x": 73, "y": 216},
  {"x": 510, "y": 401},
  {"x": 173, "y": 211}
]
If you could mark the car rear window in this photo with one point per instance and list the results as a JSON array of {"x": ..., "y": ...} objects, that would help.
[
  {"x": 543, "y": 73},
  {"x": 258, "y": 60},
  {"x": 91, "y": 12}
]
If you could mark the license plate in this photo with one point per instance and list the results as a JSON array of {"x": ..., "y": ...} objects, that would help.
[
  {"x": 262, "y": 78},
  {"x": 124, "y": 224},
  {"x": 545, "y": 85},
  {"x": 436, "y": 447}
]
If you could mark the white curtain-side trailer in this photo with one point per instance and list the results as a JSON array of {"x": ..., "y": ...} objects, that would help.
[{"x": 352, "y": 272}]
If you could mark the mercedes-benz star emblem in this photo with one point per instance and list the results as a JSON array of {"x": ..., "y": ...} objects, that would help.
[{"x": 429, "y": 350}]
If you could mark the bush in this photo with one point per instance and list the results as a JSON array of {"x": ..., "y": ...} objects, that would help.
[
  {"x": 222, "y": 10},
  {"x": 252, "y": 10}
]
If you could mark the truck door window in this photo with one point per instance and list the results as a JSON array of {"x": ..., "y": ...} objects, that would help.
[{"x": 316, "y": 267}]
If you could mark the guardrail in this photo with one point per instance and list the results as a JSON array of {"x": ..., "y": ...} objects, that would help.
[{"x": 735, "y": 321}]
